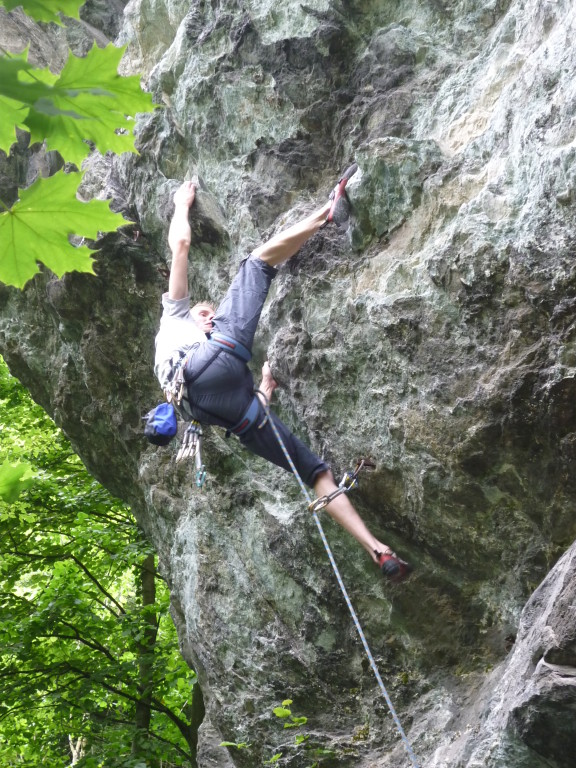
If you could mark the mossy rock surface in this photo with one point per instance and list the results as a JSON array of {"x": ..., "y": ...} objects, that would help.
[{"x": 435, "y": 336}]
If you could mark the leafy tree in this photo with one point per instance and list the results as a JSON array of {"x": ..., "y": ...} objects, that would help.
[
  {"x": 86, "y": 105},
  {"x": 90, "y": 672}
]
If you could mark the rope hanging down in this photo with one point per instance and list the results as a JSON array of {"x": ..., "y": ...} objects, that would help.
[{"x": 347, "y": 484}]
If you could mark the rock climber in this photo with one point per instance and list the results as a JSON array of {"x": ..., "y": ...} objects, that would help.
[{"x": 212, "y": 347}]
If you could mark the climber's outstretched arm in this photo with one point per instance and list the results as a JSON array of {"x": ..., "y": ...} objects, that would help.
[{"x": 179, "y": 236}]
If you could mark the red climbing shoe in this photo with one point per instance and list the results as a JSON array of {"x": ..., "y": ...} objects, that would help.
[
  {"x": 393, "y": 568},
  {"x": 339, "y": 211}
]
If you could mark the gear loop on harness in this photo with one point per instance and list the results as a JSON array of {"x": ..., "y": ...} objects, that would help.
[{"x": 175, "y": 389}]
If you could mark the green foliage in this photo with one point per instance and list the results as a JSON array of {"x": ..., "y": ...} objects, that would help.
[
  {"x": 13, "y": 480},
  {"x": 76, "y": 632},
  {"x": 37, "y": 228},
  {"x": 46, "y": 10},
  {"x": 236, "y": 745},
  {"x": 284, "y": 712},
  {"x": 89, "y": 102},
  {"x": 301, "y": 746},
  {"x": 88, "y": 105},
  {"x": 22, "y": 88},
  {"x": 13, "y": 114}
]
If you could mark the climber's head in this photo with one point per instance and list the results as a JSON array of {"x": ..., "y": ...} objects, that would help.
[{"x": 203, "y": 314}]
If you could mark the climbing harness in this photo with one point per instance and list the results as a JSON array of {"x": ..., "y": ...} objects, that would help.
[
  {"x": 248, "y": 419},
  {"x": 192, "y": 440},
  {"x": 175, "y": 389},
  {"x": 176, "y": 393},
  {"x": 347, "y": 484},
  {"x": 228, "y": 344}
]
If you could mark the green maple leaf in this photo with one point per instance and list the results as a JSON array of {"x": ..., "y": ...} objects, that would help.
[
  {"x": 89, "y": 101},
  {"x": 37, "y": 228},
  {"x": 46, "y": 10},
  {"x": 97, "y": 73},
  {"x": 22, "y": 82},
  {"x": 68, "y": 134},
  {"x": 21, "y": 87},
  {"x": 13, "y": 114}
]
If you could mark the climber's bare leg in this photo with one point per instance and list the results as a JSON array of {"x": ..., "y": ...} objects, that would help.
[
  {"x": 342, "y": 511},
  {"x": 285, "y": 244}
]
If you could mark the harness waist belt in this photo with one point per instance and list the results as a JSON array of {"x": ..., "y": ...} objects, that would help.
[
  {"x": 248, "y": 419},
  {"x": 228, "y": 344}
]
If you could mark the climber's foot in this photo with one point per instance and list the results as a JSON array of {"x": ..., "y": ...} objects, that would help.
[{"x": 393, "y": 568}]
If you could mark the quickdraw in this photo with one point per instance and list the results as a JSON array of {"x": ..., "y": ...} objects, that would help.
[
  {"x": 176, "y": 386},
  {"x": 348, "y": 483},
  {"x": 192, "y": 439},
  {"x": 192, "y": 446}
]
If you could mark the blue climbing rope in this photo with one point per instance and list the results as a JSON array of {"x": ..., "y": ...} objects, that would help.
[{"x": 311, "y": 506}]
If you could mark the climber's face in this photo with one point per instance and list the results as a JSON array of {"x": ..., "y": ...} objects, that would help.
[{"x": 203, "y": 315}]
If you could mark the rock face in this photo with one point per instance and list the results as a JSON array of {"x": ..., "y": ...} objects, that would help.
[{"x": 436, "y": 337}]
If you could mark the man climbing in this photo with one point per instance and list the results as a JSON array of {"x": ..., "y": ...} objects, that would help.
[{"x": 209, "y": 349}]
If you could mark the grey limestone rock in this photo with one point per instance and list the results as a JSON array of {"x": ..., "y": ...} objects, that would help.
[{"x": 435, "y": 336}]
